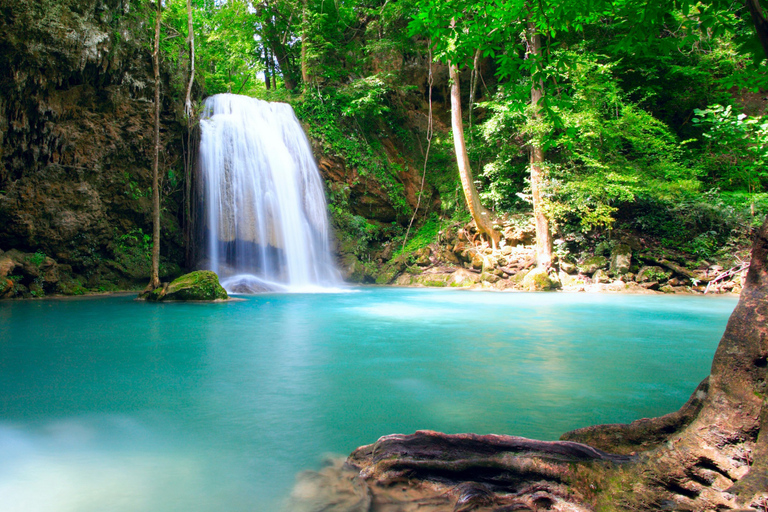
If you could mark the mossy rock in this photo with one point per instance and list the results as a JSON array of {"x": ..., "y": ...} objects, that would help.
[
  {"x": 387, "y": 276},
  {"x": 538, "y": 280},
  {"x": 462, "y": 278},
  {"x": 198, "y": 285},
  {"x": 593, "y": 263}
]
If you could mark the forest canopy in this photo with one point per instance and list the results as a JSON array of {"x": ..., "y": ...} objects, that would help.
[{"x": 649, "y": 114}]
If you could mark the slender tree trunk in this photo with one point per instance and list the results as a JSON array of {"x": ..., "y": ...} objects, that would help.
[
  {"x": 543, "y": 236},
  {"x": 480, "y": 215},
  {"x": 267, "y": 78},
  {"x": 191, "y": 41},
  {"x": 304, "y": 43},
  {"x": 473, "y": 88},
  {"x": 188, "y": 113},
  {"x": 154, "y": 280}
]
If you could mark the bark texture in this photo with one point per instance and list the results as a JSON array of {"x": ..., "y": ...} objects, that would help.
[{"x": 480, "y": 215}]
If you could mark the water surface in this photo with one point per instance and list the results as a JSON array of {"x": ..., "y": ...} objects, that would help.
[{"x": 108, "y": 404}]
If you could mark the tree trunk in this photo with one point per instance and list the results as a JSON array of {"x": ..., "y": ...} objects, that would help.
[
  {"x": 267, "y": 78},
  {"x": 154, "y": 280},
  {"x": 191, "y": 41},
  {"x": 188, "y": 157},
  {"x": 543, "y": 236},
  {"x": 480, "y": 215},
  {"x": 761, "y": 24},
  {"x": 304, "y": 44}
]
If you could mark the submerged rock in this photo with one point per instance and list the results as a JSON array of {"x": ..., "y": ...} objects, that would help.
[{"x": 198, "y": 285}]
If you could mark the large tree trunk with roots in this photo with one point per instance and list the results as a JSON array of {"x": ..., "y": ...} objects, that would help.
[
  {"x": 543, "y": 236},
  {"x": 480, "y": 215},
  {"x": 713, "y": 453},
  {"x": 710, "y": 455},
  {"x": 154, "y": 280}
]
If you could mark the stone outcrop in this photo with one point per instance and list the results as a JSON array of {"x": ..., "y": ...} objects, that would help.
[
  {"x": 201, "y": 285},
  {"x": 76, "y": 137}
]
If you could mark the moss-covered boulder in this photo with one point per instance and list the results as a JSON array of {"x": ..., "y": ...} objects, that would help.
[
  {"x": 538, "y": 280},
  {"x": 621, "y": 259},
  {"x": 593, "y": 263},
  {"x": 198, "y": 285},
  {"x": 463, "y": 278}
]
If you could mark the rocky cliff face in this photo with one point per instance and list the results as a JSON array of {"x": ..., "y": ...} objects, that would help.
[{"x": 76, "y": 139}]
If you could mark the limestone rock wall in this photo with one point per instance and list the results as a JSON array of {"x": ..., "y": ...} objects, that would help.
[{"x": 76, "y": 107}]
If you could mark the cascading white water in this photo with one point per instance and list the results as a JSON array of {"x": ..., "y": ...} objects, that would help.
[{"x": 266, "y": 221}]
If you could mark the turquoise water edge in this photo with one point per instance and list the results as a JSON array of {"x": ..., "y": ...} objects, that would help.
[{"x": 109, "y": 404}]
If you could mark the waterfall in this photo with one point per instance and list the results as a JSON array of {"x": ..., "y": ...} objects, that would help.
[{"x": 266, "y": 224}]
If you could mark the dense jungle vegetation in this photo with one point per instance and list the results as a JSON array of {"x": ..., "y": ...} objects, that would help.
[
  {"x": 654, "y": 127},
  {"x": 646, "y": 125}
]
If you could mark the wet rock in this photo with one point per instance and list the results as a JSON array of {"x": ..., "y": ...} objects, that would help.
[
  {"x": 591, "y": 264},
  {"x": 490, "y": 263},
  {"x": 450, "y": 257},
  {"x": 201, "y": 285},
  {"x": 621, "y": 259},
  {"x": 404, "y": 280}
]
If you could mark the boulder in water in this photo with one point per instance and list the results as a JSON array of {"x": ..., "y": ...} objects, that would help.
[{"x": 199, "y": 285}]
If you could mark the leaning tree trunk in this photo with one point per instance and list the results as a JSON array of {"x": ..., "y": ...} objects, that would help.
[
  {"x": 543, "y": 236},
  {"x": 480, "y": 215},
  {"x": 154, "y": 280}
]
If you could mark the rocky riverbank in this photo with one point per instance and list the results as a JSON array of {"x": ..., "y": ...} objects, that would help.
[{"x": 628, "y": 262}]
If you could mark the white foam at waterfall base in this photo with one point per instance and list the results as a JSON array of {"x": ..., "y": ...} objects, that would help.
[{"x": 266, "y": 219}]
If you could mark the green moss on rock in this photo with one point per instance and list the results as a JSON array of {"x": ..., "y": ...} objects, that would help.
[
  {"x": 593, "y": 263},
  {"x": 198, "y": 285},
  {"x": 539, "y": 280}
]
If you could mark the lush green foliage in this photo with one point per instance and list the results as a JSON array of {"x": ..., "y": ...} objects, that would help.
[
  {"x": 640, "y": 124},
  {"x": 738, "y": 148}
]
